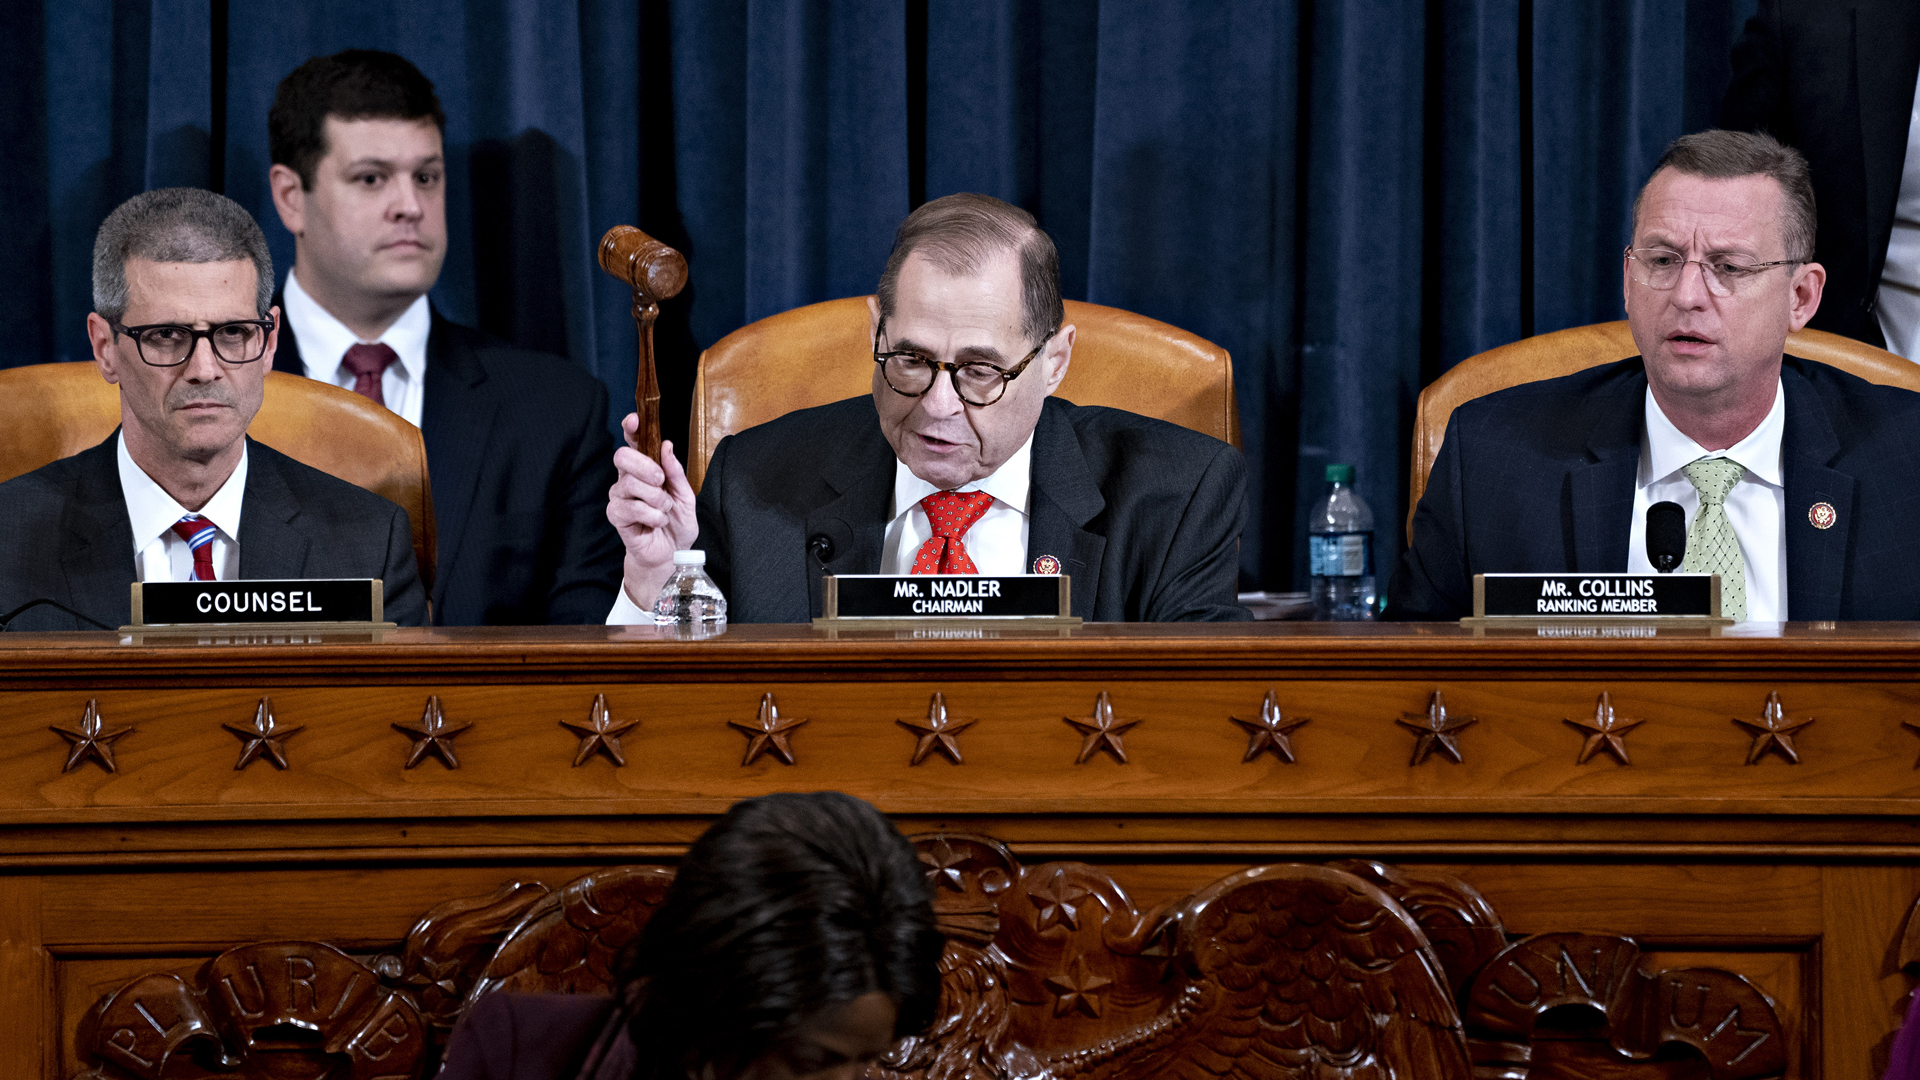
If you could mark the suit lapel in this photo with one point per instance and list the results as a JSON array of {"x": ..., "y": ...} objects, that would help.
[
  {"x": 855, "y": 519},
  {"x": 270, "y": 547},
  {"x": 1886, "y": 49},
  {"x": 456, "y": 421},
  {"x": 1602, "y": 489},
  {"x": 1816, "y": 558},
  {"x": 96, "y": 548},
  {"x": 1062, "y": 499}
]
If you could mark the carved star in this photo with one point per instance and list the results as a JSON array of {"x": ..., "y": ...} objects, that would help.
[
  {"x": 432, "y": 734},
  {"x": 937, "y": 731},
  {"x": 1058, "y": 902},
  {"x": 768, "y": 732},
  {"x": 1270, "y": 731},
  {"x": 262, "y": 737},
  {"x": 1773, "y": 731},
  {"x": 1436, "y": 730},
  {"x": 1102, "y": 730},
  {"x": 1078, "y": 989},
  {"x": 600, "y": 734},
  {"x": 93, "y": 740},
  {"x": 1606, "y": 731},
  {"x": 943, "y": 866}
]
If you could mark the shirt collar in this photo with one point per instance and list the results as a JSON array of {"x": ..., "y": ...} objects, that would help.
[
  {"x": 152, "y": 511},
  {"x": 324, "y": 340},
  {"x": 1009, "y": 484},
  {"x": 1667, "y": 449}
]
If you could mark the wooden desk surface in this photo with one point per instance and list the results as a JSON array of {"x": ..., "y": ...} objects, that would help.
[{"x": 1790, "y": 859}]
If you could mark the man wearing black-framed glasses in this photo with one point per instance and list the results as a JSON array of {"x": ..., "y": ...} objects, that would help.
[
  {"x": 1795, "y": 479},
  {"x": 962, "y": 460},
  {"x": 182, "y": 324}
]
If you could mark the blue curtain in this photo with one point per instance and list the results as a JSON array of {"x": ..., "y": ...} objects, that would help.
[{"x": 1350, "y": 195}]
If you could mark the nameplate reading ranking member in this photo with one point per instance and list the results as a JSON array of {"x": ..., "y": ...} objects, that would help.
[{"x": 1585, "y": 596}]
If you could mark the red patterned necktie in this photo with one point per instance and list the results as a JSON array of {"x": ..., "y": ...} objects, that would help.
[
  {"x": 951, "y": 514},
  {"x": 198, "y": 533},
  {"x": 368, "y": 363}
]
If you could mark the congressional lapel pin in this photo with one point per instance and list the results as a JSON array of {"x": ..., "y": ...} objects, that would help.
[
  {"x": 1046, "y": 564},
  {"x": 1822, "y": 515}
]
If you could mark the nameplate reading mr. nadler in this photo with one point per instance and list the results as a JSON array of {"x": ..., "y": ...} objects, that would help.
[
  {"x": 199, "y": 603},
  {"x": 946, "y": 596},
  {"x": 1585, "y": 596}
]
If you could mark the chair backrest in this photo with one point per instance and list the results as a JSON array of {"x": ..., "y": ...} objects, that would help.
[
  {"x": 821, "y": 353},
  {"x": 51, "y": 411},
  {"x": 1549, "y": 356}
]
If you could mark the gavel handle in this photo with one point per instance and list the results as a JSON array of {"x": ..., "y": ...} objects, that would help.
[{"x": 655, "y": 272}]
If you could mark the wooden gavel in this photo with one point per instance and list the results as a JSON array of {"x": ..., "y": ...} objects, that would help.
[{"x": 656, "y": 272}]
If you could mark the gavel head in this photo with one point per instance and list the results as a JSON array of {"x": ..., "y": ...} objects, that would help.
[{"x": 654, "y": 270}]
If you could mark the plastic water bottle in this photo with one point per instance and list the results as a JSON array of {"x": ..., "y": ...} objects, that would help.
[
  {"x": 689, "y": 597},
  {"x": 1340, "y": 549}
]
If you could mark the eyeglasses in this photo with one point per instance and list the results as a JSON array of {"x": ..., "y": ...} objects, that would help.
[
  {"x": 1660, "y": 268},
  {"x": 169, "y": 344},
  {"x": 978, "y": 383}
]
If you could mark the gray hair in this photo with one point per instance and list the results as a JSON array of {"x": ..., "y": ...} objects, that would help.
[
  {"x": 175, "y": 225},
  {"x": 959, "y": 233},
  {"x": 1729, "y": 155}
]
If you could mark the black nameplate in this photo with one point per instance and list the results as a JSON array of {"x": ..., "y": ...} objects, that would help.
[
  {"x": 1596, "y": 596},
  {"x": 197, "y": 603},
  {"x": 946, "y": 596}
]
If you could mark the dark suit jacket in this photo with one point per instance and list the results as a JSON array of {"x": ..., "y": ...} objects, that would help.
[
  {"x": 1143, "y": 515},
  {"x": 520, "y": 458},
  {"x": 536, "y": 1037},
  {"x": 1539, "y": 478},
  {"x": 65, "y": 536},
  {"x": 1836, "y": 80}
]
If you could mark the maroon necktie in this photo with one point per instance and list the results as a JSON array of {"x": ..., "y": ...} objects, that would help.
[
  {"x": 951, "y": 514},
  {"x": 198, "y": 533},
  {"x": 368, "y": 363}
]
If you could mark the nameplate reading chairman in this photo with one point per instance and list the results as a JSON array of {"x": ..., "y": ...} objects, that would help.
[
  {"x": 1797, "y": 479},
  {"x": 182, "y": 319},
  {"x": 961, "y": 461}
]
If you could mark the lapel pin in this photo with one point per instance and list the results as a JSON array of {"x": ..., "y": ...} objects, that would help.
[
  {"x": 1046, "y": 564},
  {"x": 1822, "y": 515}
]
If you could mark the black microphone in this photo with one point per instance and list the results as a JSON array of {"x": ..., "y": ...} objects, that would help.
[
  {"x": 834, "y": 537},
  {"x": 8, "y": 618},
  {"x": 1666, "y": 536}
]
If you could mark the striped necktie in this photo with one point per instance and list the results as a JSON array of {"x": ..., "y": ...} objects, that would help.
[{"x": 198, "y": 533}]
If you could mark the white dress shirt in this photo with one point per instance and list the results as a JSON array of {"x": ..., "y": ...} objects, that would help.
[
  {"x": 997, "y": 543},
  {"x": 324, "y": 341},
  {"x": 158, "y": 552},
  {"x": 1756, "y": 506},
  {"x": 1898, "y": 303}
]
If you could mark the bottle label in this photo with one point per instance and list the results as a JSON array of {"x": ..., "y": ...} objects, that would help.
[{"x": 1340, "y": 554}]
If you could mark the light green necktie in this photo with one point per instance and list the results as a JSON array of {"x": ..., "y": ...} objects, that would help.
[{"x": 1712, "y": 548}]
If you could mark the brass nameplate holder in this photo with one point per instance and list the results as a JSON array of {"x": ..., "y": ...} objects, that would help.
[
  {"x": 879, "y": 601},
  {"x": 1679, "y": 601},
  {"x": 258, "y": 607}
]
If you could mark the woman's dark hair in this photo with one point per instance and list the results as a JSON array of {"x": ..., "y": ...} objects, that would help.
[{"x": 789, "y": 906}]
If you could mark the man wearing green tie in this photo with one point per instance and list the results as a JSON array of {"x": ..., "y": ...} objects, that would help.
[{"x": 1798, "y": 480}]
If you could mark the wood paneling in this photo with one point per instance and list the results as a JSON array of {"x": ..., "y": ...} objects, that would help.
[{"x": 1796, "y": 876}]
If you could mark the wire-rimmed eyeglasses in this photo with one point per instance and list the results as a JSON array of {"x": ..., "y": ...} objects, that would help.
[{"x": 1660, "y": 268}]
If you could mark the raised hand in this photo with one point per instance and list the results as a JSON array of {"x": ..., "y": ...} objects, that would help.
[{"x": 651, "y": 506}]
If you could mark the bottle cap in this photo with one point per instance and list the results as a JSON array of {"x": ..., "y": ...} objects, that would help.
[
  {"x": 690, "y": 558},
  {"x": 1339, "y": 474}
]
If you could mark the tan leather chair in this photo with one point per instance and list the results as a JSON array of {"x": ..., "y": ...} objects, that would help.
[
  {"x": 821, "y": 353},
  {"x": 51, "y": 411},
  {"x": 1564, "y": 352}
]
